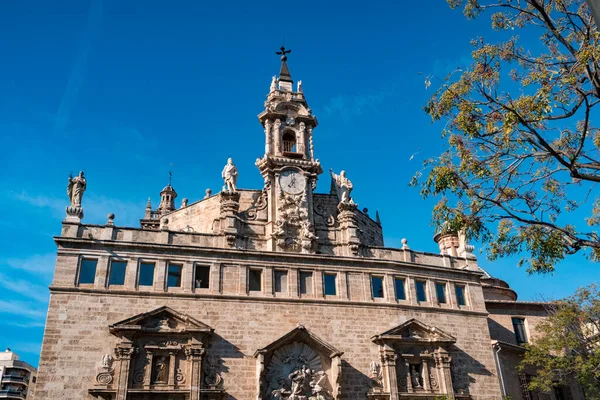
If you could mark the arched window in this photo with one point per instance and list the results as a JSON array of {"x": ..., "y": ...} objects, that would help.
[{"x": 289, "y": 142}]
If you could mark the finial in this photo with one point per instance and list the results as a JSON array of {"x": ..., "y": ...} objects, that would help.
[
  {"x": 149, "y": 203},
  {"x": 405, "y": 244},
  {"x": 170, "y": 174},
  {"x": 110, "y": 219},
  {"x": 377, "y": 219},
  {"x": 283, "y": 53}
]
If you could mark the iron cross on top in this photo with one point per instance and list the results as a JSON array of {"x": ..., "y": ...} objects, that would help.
[{"x": 283, "y": 53}]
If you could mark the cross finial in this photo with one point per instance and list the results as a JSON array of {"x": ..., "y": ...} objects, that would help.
[
  {"x": 170, "y": 174},
  {"x": 283, "y": 53}
]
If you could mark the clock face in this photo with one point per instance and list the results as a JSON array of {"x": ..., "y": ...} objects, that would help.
[
  {"x": 292, "y": 181},
  {"x": 290, "y": 121}
]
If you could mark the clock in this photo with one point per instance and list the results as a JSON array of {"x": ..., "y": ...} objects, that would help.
[
  {"x": 290, "y": 121},
  {"x": 292, "y": 181}
]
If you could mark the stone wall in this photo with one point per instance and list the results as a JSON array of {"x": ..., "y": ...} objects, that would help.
[{"x": 77, "y": 337}]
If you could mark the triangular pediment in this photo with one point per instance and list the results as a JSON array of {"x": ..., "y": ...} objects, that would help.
[
  {"x": 162, "y": 320},
  {"x": 415, "y": 331},
  {"x": 303, "y": 335}
]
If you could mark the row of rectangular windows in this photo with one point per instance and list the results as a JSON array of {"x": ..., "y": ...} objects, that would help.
[{"x": 87, "y": 274}]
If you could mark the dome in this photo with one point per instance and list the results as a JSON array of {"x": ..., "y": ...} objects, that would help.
[{"x": 496, "y": 289}]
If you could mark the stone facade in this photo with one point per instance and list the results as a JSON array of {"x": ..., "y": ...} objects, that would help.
[{"x": 264, "y": 294}]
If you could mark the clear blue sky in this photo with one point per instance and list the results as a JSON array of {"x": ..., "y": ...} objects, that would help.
[{"x": 122, "y": 89}]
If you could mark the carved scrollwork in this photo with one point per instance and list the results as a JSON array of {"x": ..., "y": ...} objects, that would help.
[
  {"x": 179, "y": 376},
  {"x": 433, "y": 381},
  {"x": 105, "y": 377},
  {"x": 138, "y": 376}
]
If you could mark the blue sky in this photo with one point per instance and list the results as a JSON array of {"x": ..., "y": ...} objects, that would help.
[{"x": 122, "y": 89}]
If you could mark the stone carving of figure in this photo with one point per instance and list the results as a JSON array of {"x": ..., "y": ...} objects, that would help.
[
  {"x": 273, "y": 83},
  {"x": 300, "y": 87},
  {"x": 107, "y": 361},
  {"x": 229, "y": 175},
  {"x": 76, "y": 188},
  {"x": 343, "y": 186},
  {"x": 315, "y": 384},
  {"x": 161, "y": 370},
  {"x": 299, "y": 380},
  {"x": 307, "y": 230},
  {"x": 415, "y": 377}
]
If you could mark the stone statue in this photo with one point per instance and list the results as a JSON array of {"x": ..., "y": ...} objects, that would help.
[
  {"x": 229, "y": 174},
  {"x": 343, "y": 187},
  {"x": 299, "y": 380},
  {"x": 299, "y": 86},
  {"x": 76, "y": 188},
  {"x": 184, "y": 203},
  {"x": 107, "y": 360},
  {"x": 161, "y": 370},
  {"x": 307, "y": 230},
  {"x": 273, "y": 84},
  {"x": 415, "y": 377}
]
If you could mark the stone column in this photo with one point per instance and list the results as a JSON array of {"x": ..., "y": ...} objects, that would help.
[
  {"x": 293, "y": 283},
  {"x": 124, "y": 352},
  {"x": 348, "y": 228},
  {"x": 187, "y": 278},
  {"x": 277, "y": 136},
  {"x": 230, "y": 204},
  {"x": 388, "y": 364},
  {"x": 442, "y": 361},
  {"x": 101, "y": 279},
  {"x": 160, "y": 274},
  {"x": 268, "y": 141},
  {"x": 311, "y": 144},
  {"x": 131, "y": 273},
  {"x": 171, "y": 377},
  {"x": 194, "y": 356},
  {"x": 215, "y": 278},
  {"x": 425, "y": 372},
  {"x": 268, "y": 284}
]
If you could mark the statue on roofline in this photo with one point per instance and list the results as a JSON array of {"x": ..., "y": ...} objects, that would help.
[
  {"x": 343, "y": 187},
  {"x": 229, "y": 175},
  {"x": 76, "y": 188}
]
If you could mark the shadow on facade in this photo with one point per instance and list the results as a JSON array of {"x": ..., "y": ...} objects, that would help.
[{"x": 465, "y": 370}]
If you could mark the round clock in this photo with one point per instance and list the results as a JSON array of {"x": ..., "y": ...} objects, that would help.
[
  {"x": 290, "y": 121},
  {"x": 292, "y": 181}
]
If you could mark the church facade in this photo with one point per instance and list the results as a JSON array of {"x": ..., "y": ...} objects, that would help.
[{"x": 275, "y": 293}]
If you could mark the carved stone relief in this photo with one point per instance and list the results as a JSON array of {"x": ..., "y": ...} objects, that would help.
[{"x": 295, "y": 373}]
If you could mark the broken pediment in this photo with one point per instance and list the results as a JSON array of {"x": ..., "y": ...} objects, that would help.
[
  {"x": 414, "y": 331},
  {"x": 160, "y": 321}
]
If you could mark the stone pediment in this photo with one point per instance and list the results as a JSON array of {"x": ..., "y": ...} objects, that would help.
[
  {"x": 160, "y": 321},
  {"x": 416, "y": 332},
  {"x": 302, "y": 335}
]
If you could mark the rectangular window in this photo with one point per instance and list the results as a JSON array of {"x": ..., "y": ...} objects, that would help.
[
  {"x": 281, "y": 281},
  {"x": 117, "y": 273},
  {"x": 87, "y": 270},
  {"x": 421, "y": 293},
  {"x": 174, "y": 275},
  {"x": 202, "y": 276},
  {"x": 520, "y": 333},
  {"x": 377, "y": 287},
  {"x": 329, "y": 284},
  {"x": 400, "y": 289},
  {"x": 440, "y": 292},
  {"x": 146, "y": 277},
  {"x": 255, "y": 280},
  {"x": 306, "y": 282},
  {"x": 460, "y": 295}
]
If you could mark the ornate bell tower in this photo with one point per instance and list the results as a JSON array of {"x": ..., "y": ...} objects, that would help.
[{"x": 289, "y": 167}]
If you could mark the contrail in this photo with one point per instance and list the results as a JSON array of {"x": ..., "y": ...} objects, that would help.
[{"x": 77, "y": 76}]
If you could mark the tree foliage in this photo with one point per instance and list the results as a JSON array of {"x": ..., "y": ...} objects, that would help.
[
  {"x": 568, "y": 345},
  {"x": 523, "y": 158}
]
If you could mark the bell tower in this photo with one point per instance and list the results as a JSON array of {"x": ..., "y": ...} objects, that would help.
[{"x": 289, "y": 167}]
